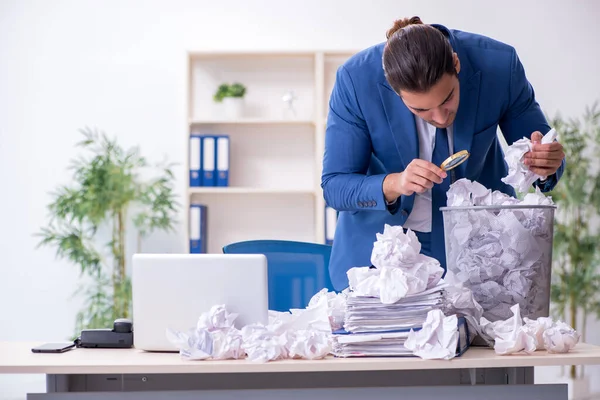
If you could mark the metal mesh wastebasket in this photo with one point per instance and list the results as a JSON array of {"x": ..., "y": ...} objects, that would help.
[{"x": 503, "y": 254}]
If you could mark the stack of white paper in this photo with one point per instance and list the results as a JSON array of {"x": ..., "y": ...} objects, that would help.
[
  {"x": 372, "y": 328},
  {"x": 371, "y": 345},
  {"x": 369, "y": 314}
]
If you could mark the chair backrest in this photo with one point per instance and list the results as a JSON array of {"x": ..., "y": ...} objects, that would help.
[{"x": 296, "y": 270}]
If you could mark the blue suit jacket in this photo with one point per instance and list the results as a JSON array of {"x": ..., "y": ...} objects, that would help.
[{"x": 371, "y": 133}]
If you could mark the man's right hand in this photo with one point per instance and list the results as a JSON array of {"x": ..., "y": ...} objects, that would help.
[{"x": 418, "y": 177}]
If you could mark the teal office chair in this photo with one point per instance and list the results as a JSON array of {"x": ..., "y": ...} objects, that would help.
[{"x": 296, "y": 270}]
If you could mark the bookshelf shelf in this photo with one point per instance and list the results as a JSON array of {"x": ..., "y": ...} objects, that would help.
[
  {"x": 252, "y": 121},
  {"x": 248, "y": 190},
  {"x": 274, "y": 159}
]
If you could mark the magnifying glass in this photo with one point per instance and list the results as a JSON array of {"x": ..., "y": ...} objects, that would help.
[{"x": 454, "y": 160}]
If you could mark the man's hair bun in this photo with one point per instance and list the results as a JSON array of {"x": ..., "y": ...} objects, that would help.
[{"x": 402, "y": 23}]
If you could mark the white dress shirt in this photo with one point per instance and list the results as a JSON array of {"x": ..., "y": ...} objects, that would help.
[{"x": 420, "y": 217}]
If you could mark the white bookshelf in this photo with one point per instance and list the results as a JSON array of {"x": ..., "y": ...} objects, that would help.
[{"x": 275, "y": 163}]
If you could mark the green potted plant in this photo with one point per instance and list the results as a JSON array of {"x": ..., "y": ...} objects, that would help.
[
  {"x": 91, "y": 218},
  {"x": 575, "y": 289},
  {"x": 232, "y": 98}
]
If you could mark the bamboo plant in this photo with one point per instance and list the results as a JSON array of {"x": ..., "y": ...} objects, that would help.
[
  {"x": 575, "y": 289},
  {"x": 90, "y": 220}
]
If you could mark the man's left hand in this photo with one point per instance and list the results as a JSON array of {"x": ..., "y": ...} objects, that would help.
[{"x": 544, "y": 159}]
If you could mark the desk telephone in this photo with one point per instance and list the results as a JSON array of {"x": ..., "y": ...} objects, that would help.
[{"x": 120, "y": 336}]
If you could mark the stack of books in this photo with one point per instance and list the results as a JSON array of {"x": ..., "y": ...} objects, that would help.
[{"x": 374, "y": 329}]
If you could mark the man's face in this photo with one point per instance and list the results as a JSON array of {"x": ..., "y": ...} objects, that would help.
[{"x": 439, "y": 105}]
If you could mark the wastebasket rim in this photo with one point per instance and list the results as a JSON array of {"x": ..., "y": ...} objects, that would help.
[{"x": 499, "y": 207}]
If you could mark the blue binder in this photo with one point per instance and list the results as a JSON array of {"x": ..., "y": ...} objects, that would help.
[
  {"x": 195, "y": 161},
  {"x": 209, "y": 158},
  {"x": 222, "y": 161},
  {"x": 197, "y": 227},
  {"x": 331, "y": 216}
]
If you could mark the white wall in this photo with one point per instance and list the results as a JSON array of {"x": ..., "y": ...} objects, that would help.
[{"x": 120, "y": 66}]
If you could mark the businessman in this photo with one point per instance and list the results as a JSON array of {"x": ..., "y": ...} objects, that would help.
[{"x": 398, "y": 110}]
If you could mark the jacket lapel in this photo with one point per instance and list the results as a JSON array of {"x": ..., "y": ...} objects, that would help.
[
  {"x": 402, "y": 124},
  {"x": 464, "y": 123}
]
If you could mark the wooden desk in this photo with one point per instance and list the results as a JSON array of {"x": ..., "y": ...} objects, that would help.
[{"x": 127, "y": 371}]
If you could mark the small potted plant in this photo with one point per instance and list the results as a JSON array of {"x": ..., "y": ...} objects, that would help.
[{"x": 232, "y": 97}]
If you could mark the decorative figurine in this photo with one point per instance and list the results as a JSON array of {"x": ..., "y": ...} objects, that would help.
[{"x": 289, "y": 111}]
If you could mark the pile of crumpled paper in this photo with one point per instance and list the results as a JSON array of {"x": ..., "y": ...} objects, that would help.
[
  {"x": 517, "y": 334},
  {"x": 300, "y": 333},
  {"x": 400, "y": 268},
  {"x": 503, "y": 255}
]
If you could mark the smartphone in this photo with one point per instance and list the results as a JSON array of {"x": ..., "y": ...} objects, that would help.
[{"x": 53, "y": 347}]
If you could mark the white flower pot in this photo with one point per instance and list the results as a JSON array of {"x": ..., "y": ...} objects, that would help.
[{"x": 233, "y": 107}]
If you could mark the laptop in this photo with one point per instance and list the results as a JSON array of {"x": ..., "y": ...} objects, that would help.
[{"x": 173, "y": 290}]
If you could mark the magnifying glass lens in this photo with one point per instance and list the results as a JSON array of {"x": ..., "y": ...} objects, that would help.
[{"x": 455, "y": 160}]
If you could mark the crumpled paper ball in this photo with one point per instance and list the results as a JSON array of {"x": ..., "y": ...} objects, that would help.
[
  {"x": 400, "y": 270},
  {"x": 560, "y": 338},
  {"x": 309, "y": 344},
  {"x": 302, "y": 333},
  {"x": 394, "y": 248},
  {"x": 217, "y": 319},
  {"x": 215, "y": 337},
  {"x": 437, "y": 339},
  {"x": 264, "y": 343},
  {"x": 514, "y": 334},
  {"x": 508, "y": 336},
  {"x": 519, "y": 176},
  {"x": 336, "y": 306},
  {"x": 536, "y": 329},
  {"x": 460, "y": 300}
]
